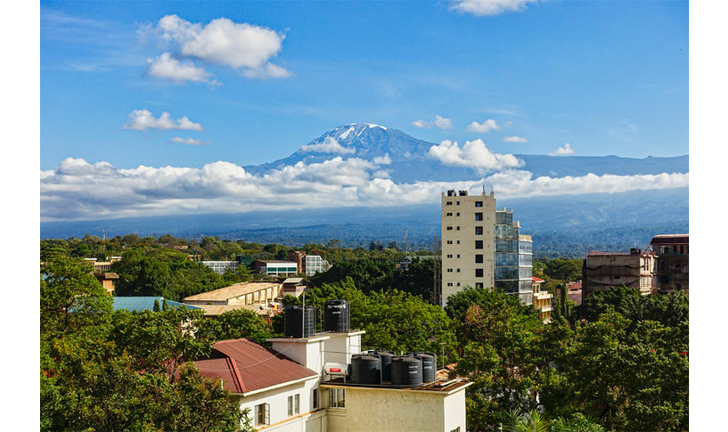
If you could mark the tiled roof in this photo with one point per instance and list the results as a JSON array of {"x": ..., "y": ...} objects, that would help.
[{"x": 245, "y": 366}]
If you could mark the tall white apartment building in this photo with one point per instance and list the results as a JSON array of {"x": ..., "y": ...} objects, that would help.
[{"x": 468, "y": 245}]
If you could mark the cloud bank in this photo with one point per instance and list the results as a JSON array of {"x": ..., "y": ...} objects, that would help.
[
  {"x": 78, "y": 190},
  {"x": 440, "y": 122},
  {"x": 330, "y": 145}
]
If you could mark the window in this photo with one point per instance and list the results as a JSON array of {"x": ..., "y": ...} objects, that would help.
[
  {"x": 458, "y": 256},
  {"x": 457, "y": 228},
  {"x": 290, "y": 406},
  {"x": 262, "y": 414},
  {"x": 449, "y": 242},
  {"x": 458, "y": 283},
  {"x": 449, "y": 228},
  {"x": 449, "y": 284},
  {"x": 449, "y": 255},
  {"x": 294, "y": 405},
  {"x": 449, "y": 270},
  {"x": 478, "y": 284},
  {"x": 478, "y": 203},
  {"x": 337, "y": 398},
  {"x": 458, "y": 270},
  {"x": 479, "y": 273},
  {"x": 457, "y": 241},
  {"x": 478, "y": 259},
  {"x": 458, "y": 214},
  {"x": 449, "y": 214},
  {"x": 448, "y": 203},
  {"x": 478, "y": 244},
  {"x": 315, "y": 398},
  {"x": 479, "y": 230},
  {"x": 478, "y": 216}
]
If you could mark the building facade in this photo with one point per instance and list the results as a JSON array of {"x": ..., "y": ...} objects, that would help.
[
  {"x": 513, "y": 257},
  {"x": 542, "y": 300},
  {"x": 239, "y": 294},
  {"x": 673, "y": 259},
  {"x": 220, "y": 267},
  {"x": 275, "y": 267},
  {"x": 468, "y": 244},
  {"x": 637, "y": 269}
]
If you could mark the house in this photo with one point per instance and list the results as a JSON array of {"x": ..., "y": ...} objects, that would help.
[
  {"x": 106, "y": 279},
  {"x": 574, "y": 291},
  {"x": 239, "y": 294},
  {"x": 305, "y": 384}
]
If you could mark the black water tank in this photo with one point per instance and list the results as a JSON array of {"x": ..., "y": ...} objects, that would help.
[
  {"x": 406, "y": 371},
  {"x": 297, "y": 323},
  {"x": 386, "y": 357},
  {"x": 366, "y": 369},
  {"x": 336, "y": 316},
  {"x": 429, "y": 366}
]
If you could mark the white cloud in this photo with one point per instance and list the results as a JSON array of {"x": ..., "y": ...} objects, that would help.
[
  {"x": 440, "y": 122},
  {"x": 189, "y": 141},
  {"x": 81, "y": 190},
  {"x": 489, "y": 7},
  {"x": 143, "y": 119},
  {"x": 563, "y": 151},
  {"x": 515, "y": 139},
  {"x": 245, "y": 47},
  {"x": 484, "y": 127},
  {"x": 168, "y": 67},
  {"x": 474, "y": 154},
  {"x": 330, "y": 145},
  {"x": 382, "y": 160}
]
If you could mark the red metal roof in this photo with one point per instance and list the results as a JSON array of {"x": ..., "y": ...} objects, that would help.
[
  {"x": 535, "y": 279},
  {"x": 245, "y": 366}
]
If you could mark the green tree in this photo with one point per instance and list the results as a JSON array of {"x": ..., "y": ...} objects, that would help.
[
  {"x": 141, "y": 275},
  {"x": 238, "y": 323}
]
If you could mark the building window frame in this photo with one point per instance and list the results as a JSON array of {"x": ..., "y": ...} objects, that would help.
[{"x": 262, "y": 414}]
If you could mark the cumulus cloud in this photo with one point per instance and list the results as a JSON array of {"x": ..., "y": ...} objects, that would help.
[
  {"x": 244, "y": 47},
  {"x": 382, "y": 160},
  {"x": 489, "y": 7},
  {"x": 474, "y": 154},
  {"x": 143, "y": 119},
  {"x": 168, "y": 67},
  {"x": 189, "y": 141},
  {"x": 563, "y": 151},
  {"x": 330, "y": 145},
  {"x": 484, "y": 127},
  {"x": 440, "y": 122},
  {"x": 515, "y": 139},
  {"x": 77, "y": 189}
]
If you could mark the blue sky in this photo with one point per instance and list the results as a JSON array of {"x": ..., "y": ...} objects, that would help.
[{"x": 605, "y": 77}]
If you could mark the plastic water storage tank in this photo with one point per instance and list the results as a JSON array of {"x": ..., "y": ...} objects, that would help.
[
  {"x": 297, "y": 322},
  {"x": 429, "y": 366},
  {"x": 386, "y": 358},
  {"x": 406, "y": 371},
  {"x": 336, "y": 316},
  {"x": 366, "y": 369}
]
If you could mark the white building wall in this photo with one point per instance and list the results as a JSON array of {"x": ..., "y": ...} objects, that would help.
[{"x": 308, "y": 419}]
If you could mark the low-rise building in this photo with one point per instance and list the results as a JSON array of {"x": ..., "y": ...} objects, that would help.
[
  {"x": 637, "y": 269},
  {"x": 542, "y": 300},
  {"x": 302, "y": 384},
  {"x": 239, "y": 294},
  {"x": 574, "y": 291},
  {"x": 275, "y": 267},
  {"x": 106, "y": 279},
  {"x": 294, "y": 287},
  {"x": 220, "y": 267}
]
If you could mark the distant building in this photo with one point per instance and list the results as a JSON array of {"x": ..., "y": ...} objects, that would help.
[
  {"x": 637, "y": 269},
  {"x": 315, "y": 264},
  {"x": 673, "y": 254},
  {"x": 574, "y": 291},
  {"x": 294, "y": 287},
  {"x": 542, "y": 300},
  {"x": 220, "y": 267},
  {"x": 239, "y": 294},
  {"x": 513, "y": 257},
  {"x": 275, "y": 267},
  {"x": 467, "y": 242},
  {"x": 106, "y": 279}
]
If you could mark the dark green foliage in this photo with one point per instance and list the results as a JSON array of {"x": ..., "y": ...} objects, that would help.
[
  {"x": 121, "y": 371},
  {"x": 669, "y": 309}
]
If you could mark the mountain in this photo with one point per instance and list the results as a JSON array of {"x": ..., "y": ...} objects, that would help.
[
  {"x": 565, "y": 225},
  {"x": 410, "y": 161}
]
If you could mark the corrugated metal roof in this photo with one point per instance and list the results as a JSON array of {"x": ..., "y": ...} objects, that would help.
[
  {"x": 245, "y": 366},
  {"x": 145, "y": 303},
  {"x": 232, "y": 291}
]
